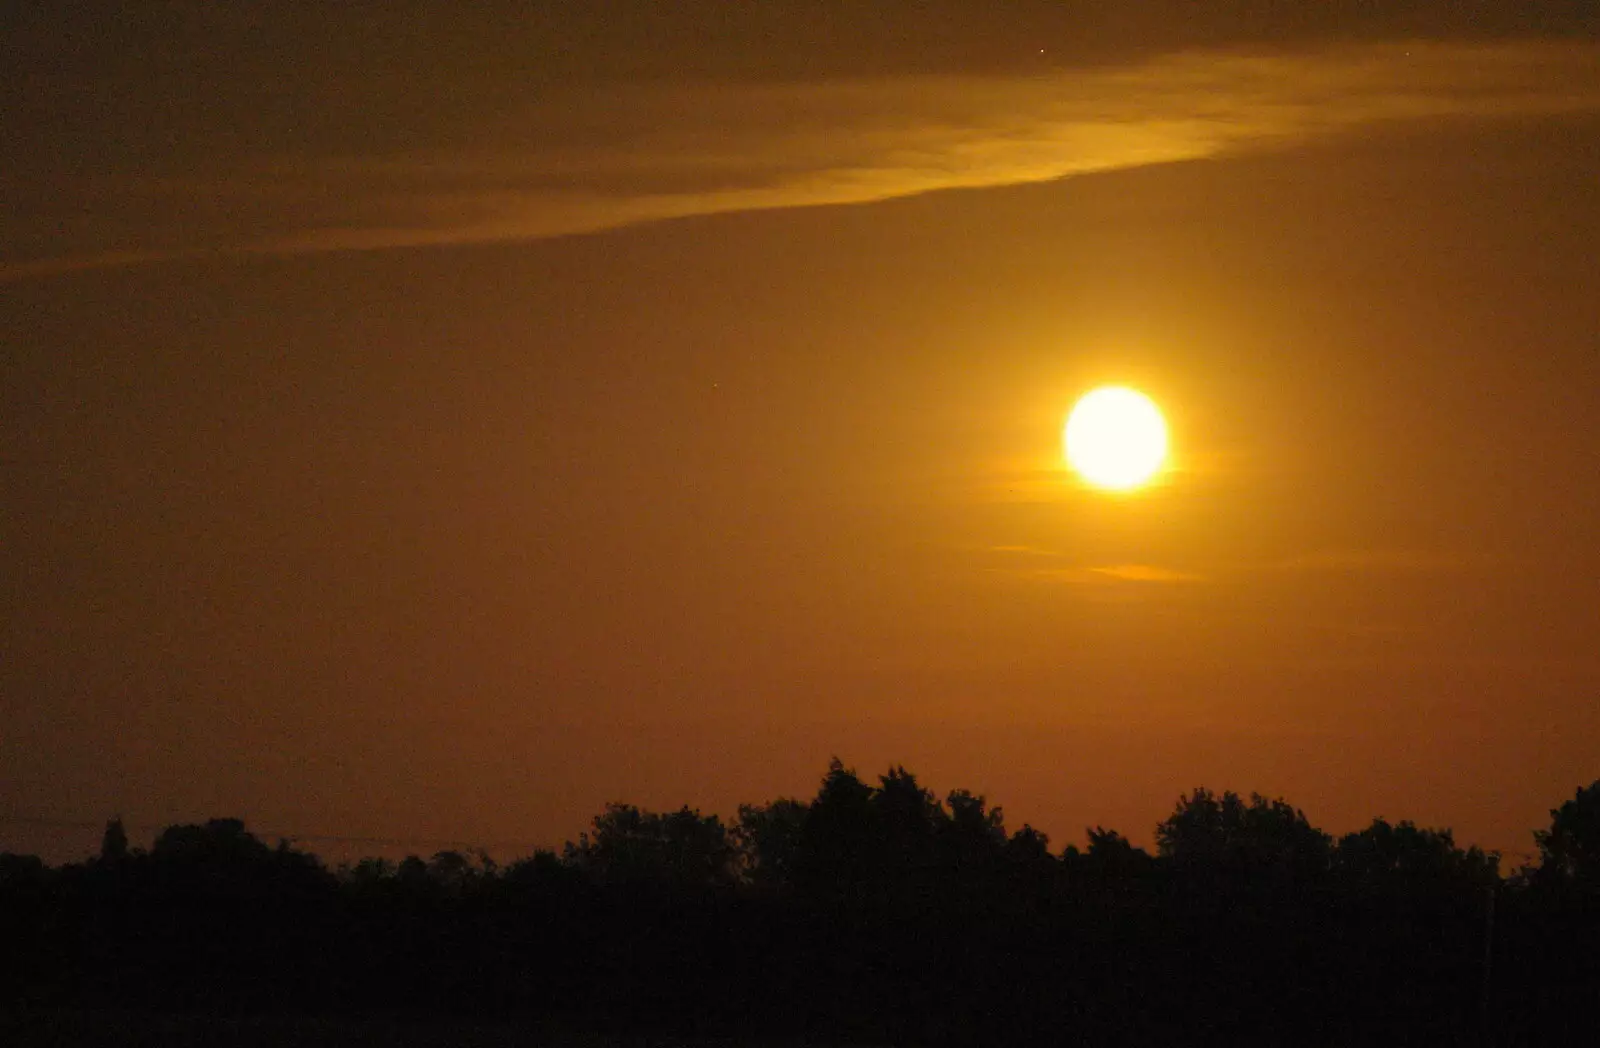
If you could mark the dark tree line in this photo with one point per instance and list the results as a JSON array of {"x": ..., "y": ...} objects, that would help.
[{"x": 873, "y": 911}]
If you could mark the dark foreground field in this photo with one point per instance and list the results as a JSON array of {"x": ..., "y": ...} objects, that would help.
[{"x": 122, "y": 1029}]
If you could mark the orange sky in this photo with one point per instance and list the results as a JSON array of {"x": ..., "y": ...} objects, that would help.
[{"x": 343, "y": 494}]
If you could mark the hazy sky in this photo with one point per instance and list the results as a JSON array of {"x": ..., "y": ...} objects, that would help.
[{"x": 432, "y": 425}]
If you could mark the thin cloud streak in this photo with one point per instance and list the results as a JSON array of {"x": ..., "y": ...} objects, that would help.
[
  {"x": 1146, "y": 573},
  {"x": 1321, "y": 562},
  {"x": 1080, "y": 575},
  {"x": 1381, "y": 561},
  {"x": 666, "y": 154}
]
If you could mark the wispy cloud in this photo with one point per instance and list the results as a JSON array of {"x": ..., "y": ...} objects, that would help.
[
  {"x": 1380, "y": 561},
  {"x": 1056, "y": 566},
  {"x": 1111, "y": 574},
  {"x": 602, "y": 162},
  {"x": 1145, "y": 573},
  {"x": 1061, "y": 566}
]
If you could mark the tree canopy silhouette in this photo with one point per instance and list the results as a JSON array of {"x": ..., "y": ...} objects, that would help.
[
  {"x": 1569, "y": 851},
  {"x": 627, "y": 844},
  {"x": 1259, "y": 842},
  {"x": 875, "y": 911},
  {"x": 1403, "y": 857}
]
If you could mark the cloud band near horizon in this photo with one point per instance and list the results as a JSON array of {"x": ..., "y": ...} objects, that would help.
[{"x": 594, "y": 162}]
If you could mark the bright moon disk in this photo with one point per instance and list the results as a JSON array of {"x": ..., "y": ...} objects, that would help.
[{"x": 1115, "y": 438}]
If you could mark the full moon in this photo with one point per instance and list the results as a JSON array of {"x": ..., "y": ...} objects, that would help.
[{"x": 1115, "y": 438}]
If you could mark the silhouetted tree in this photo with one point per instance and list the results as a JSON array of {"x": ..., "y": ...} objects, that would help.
[
  {"x": 450, "y": 870},
  {"x": 1110, "y": 857},
  {"x": 412, "y": 872},
  {"x": 223, "y": 856},
  {"x": 627, "y": 844},
  {"x": 1260, "y": 842},
  {"x": 838, "y": 838},
  {"x": 367, "y": 872},
  {"x": 972, "y": 822},
  {"x": 971, "y": 839},
  {"x": 767, "y": 838},
  {"x": 1405, "y": 858},
  {"x": 1569, "y": 851},
  {"x": 622, "y": 845},
  {"x": 697, "y": 847},
  {"x": 114, "y": 843},
  {"x": 543, "y": 870},
  {"x": 905, "y": 819},
  {"x": 1028, "y": 846},
  {"x": 220, "y": 842},
  {"x": 1031, "y": 873},
  {"x": 17, "y": 871}
]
